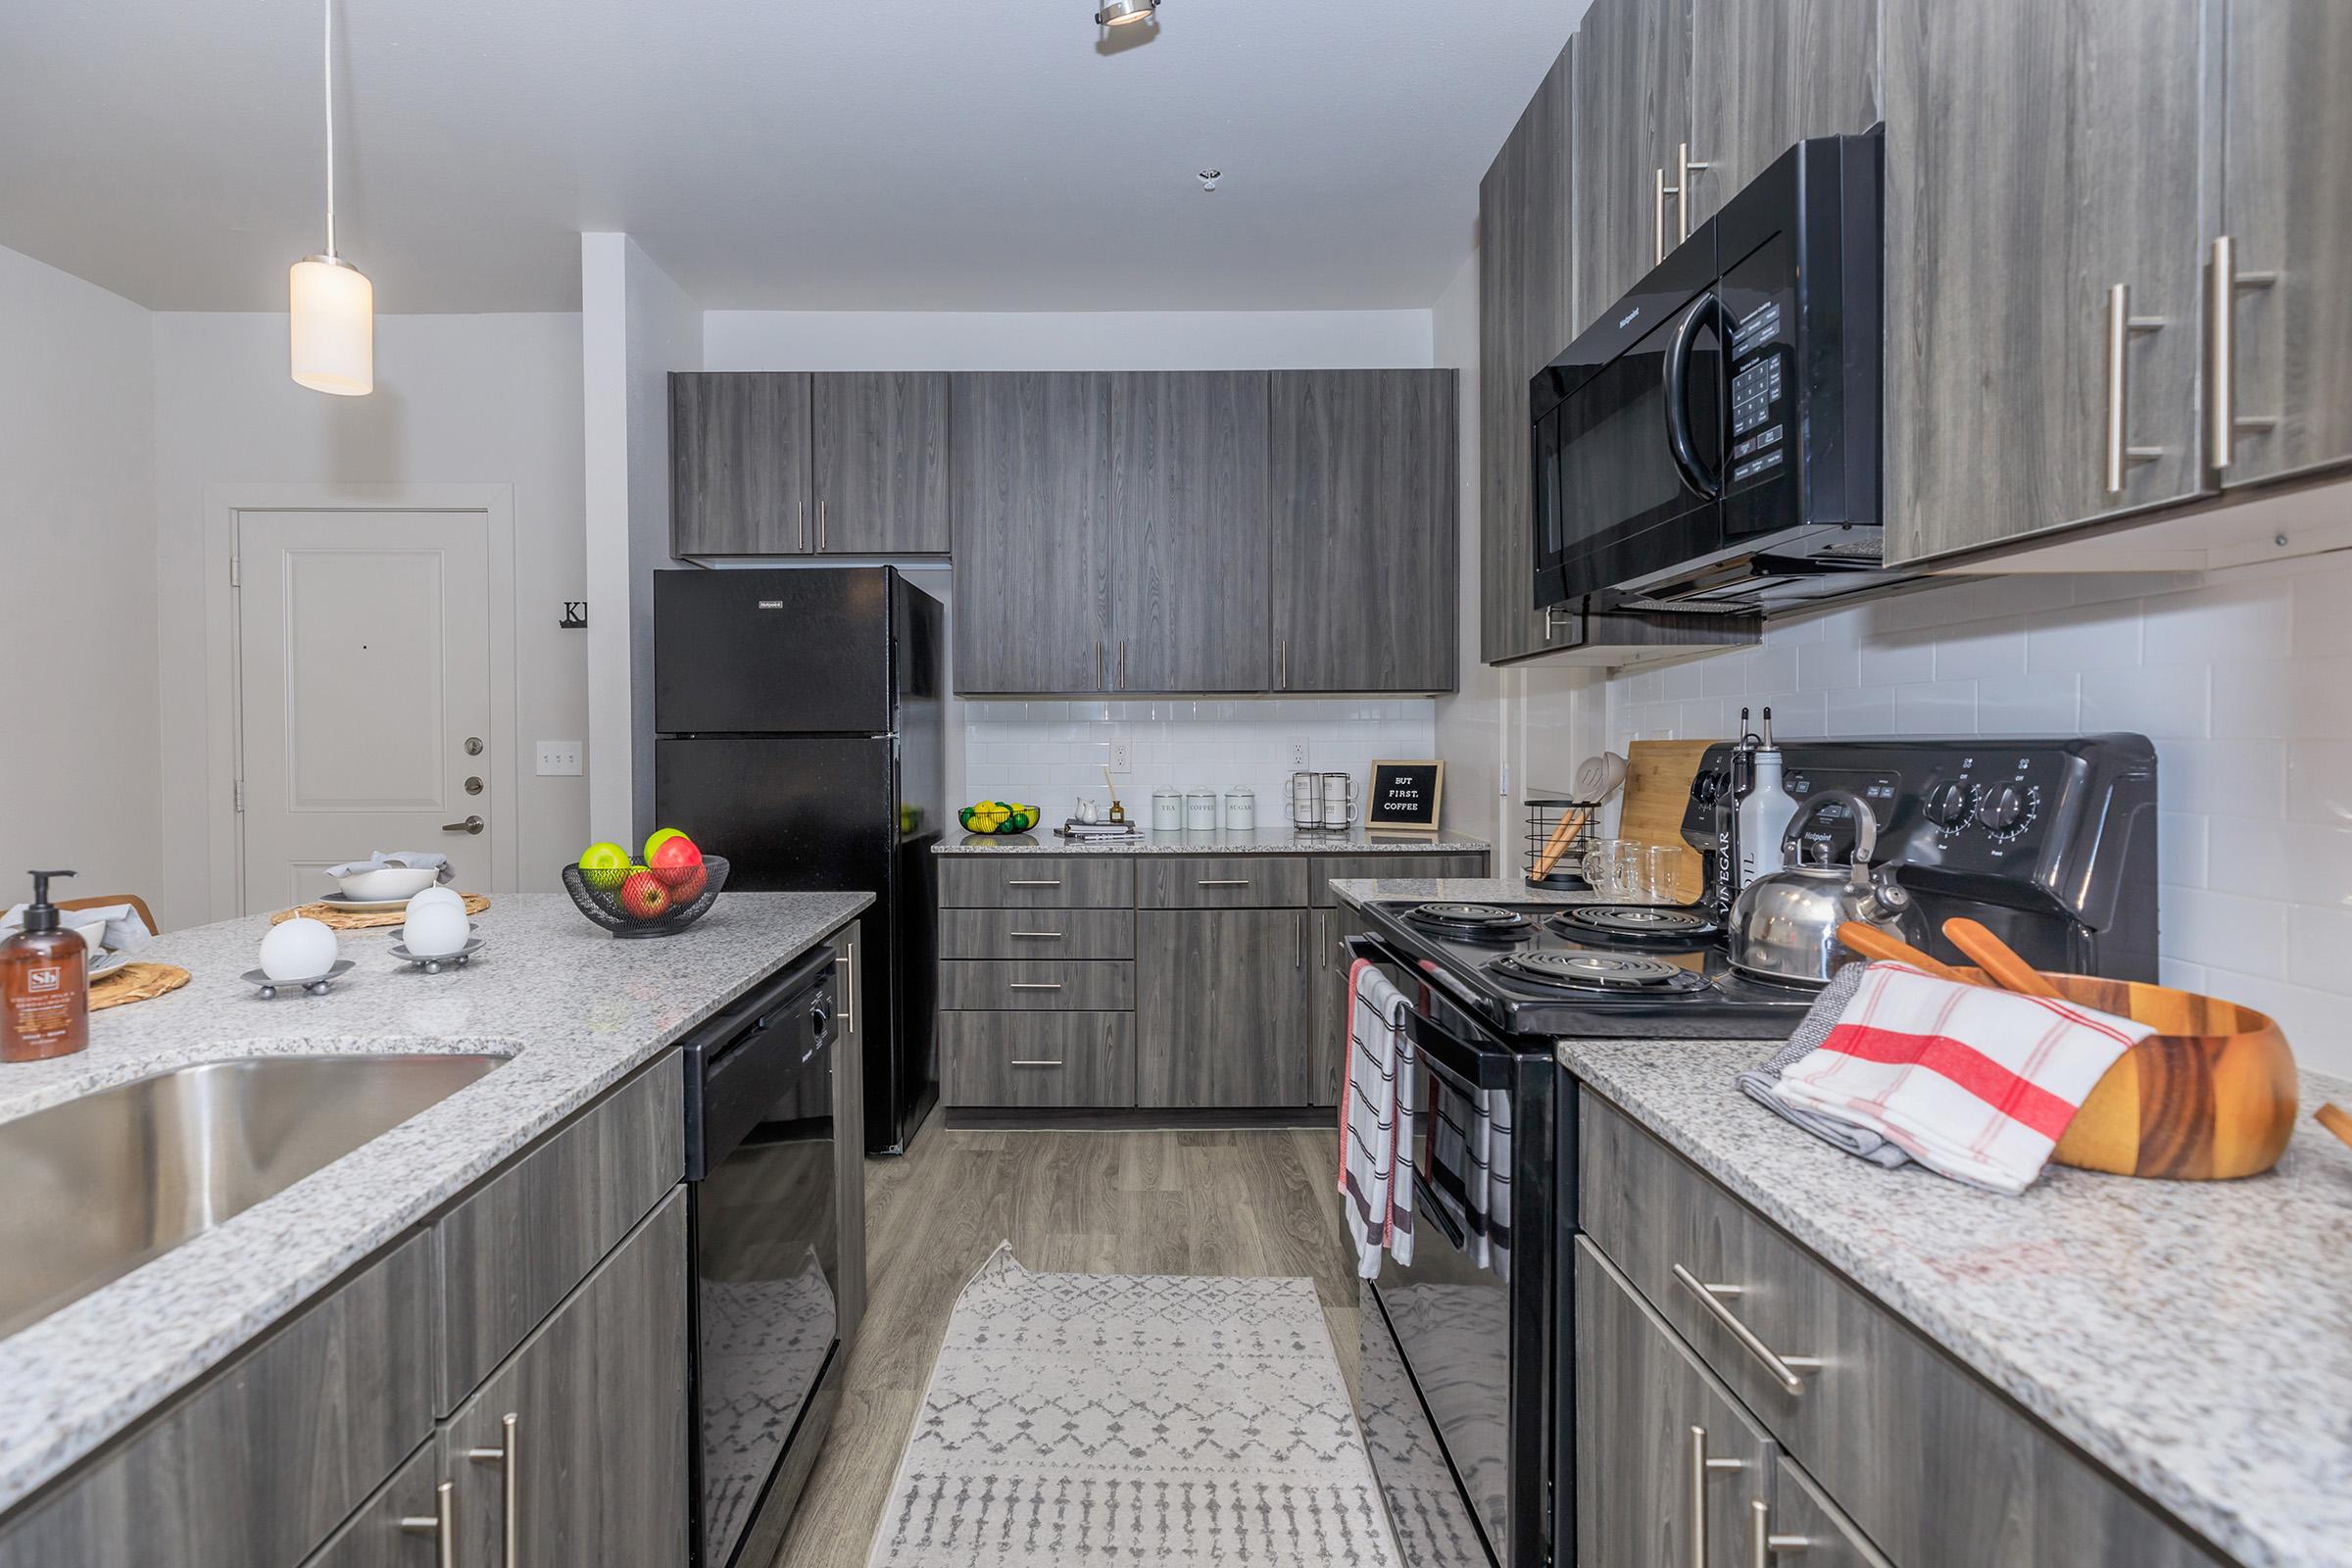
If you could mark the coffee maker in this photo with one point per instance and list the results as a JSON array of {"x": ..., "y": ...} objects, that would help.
[{"x": 2051, "y": 843}]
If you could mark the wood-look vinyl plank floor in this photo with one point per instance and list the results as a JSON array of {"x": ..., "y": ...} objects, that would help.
[{"x": 1231, "y": 1204}]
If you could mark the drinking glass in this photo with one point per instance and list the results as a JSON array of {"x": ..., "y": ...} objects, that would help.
[
  {"x": 1599, "y": 867},
  {"x": 1629, "y": 870},
  {"x": 1663, "y": 865}
]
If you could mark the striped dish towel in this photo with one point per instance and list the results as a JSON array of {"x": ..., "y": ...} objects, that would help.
[
  {"x": 1972, "y": 1082},
  {"x": 1376, "y": 1123},
  {"x": 1762, "y": 1084}
]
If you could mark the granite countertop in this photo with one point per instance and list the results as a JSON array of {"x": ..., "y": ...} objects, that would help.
[
  {"x": 574, "y": 1009},
  {"x": 1274, "y": 839},
  {"x": 1458, "y": 890},
  {"x": 2193, "y": 1337}
]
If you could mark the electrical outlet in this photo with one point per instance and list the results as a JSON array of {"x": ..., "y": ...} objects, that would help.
[
  {"x": 1122, "y": 757},
  {"x": 1298, "y": 753},
  {"x": 559, "y": 758}
]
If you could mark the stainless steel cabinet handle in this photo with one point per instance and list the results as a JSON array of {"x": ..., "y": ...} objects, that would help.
[
  {"x": 1122, "y": 663},
  {"x": 2225, "y": 281},
  {"x": 849, "y": 985},
  {"x": 472, "y": 824},
  {"x": 442, "y": 1525},
  {"x": 1224, "y": 881},
  {"x": 1299, "y": 960},
  {"x": 820, "y": 525},
  {"x": 1682, "y": 190},
  {"x": 1762, "y": 1544},
  {"x": 1034, "y": 985},
  {"x": 1017, "y": 882},
  {"x": 1784, "y": 1368},
  {"x": 1657, "y": 216},
  {"x": 1035, "y": 1061},
  {"x": 1035, "y": 935},
  {"x": 2121, "y": 325},
  {"x": 508, "y": 1459},
  {"x": 800, "y": 510},
  {"x": 1702, "y": 1467},
  {"x": 1282, "y": 678},
  {"x": 1098, "y": 663}
]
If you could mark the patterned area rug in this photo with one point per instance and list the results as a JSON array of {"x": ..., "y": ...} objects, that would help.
[{"x": 1101, "y": 1418}]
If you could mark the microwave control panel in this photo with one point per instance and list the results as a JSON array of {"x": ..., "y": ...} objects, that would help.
[{"x": 1759, "y": 392}]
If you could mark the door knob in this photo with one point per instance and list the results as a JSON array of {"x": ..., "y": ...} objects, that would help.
[
  {"x": 473, "y": 745},
  {"x": 472, "y": 824},
  {"x": 474, "y": 786}
]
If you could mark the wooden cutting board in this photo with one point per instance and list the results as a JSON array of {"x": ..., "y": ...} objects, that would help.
[{"x": 1658, "y": 790}]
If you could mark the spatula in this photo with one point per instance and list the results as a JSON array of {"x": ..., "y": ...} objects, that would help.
[{"x": 1598, "y": 778}]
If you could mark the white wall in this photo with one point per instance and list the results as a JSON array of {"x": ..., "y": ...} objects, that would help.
[
  {"x": 638, "y": 326},
  {"x": 80, "y": 768},
  {"x": 457, "y": 400},
  {"x": 2243, "y": 680},
  {"x": 1517, "y": 731}
]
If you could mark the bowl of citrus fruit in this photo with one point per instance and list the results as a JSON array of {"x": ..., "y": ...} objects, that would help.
[
  {"x": 997, "y": 816},
  {"x": 674, "y": 886}
]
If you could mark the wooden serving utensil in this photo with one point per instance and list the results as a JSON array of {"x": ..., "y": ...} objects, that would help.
[
  {"x": 1875, "y": 943},
  {"x": 1596, "y": 779},
  {"x": 2334, "y": 1120},
  {"x": 1997, "y": 959}
]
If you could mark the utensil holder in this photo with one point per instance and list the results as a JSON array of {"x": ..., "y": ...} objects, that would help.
[{"x": 1545, "y": 815}]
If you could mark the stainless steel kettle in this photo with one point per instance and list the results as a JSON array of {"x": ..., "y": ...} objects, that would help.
[{"x": 1785, "y": 924}]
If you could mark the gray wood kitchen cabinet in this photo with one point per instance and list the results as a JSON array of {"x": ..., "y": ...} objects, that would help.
[
  {"x": 2287, "y": 209},
  {"x": 1188, "y": 532},
  {"x": 594, "y": 1402},
  {"x": 1768, "y": 74},
  {"x": 1667, "y": 1464},
  {"x": 1030, "y": 487},
  {"x": 513, "y": 1248},
  {"x": 387, "y": 1530},
  {"x": 1801, "y": 1511},
  {"x": 1221, "y": 881},
  {"x": 879, "y": 462},
  {"x": 256, "y": 1466},
  {"x": 1037, "y": 985},
  {"x": 739, "y": 464},
  {"x": 1222, "y": 1009},
  {"x": 1037, "y": 1061},
  {"x": 1631, "y": 119},
  {"x": 849, "y": 1122},
  {"x": 1327, "y": 1021},
  {"x": 2036, "y": 157},
  {"x": 1365, "y": 527}
]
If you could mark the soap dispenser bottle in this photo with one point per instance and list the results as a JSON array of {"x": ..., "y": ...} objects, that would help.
[{"x": 44, "y": 984}]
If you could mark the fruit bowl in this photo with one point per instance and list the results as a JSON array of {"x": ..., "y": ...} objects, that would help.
[
  {"x": 647, "y": 902},
  {"x": 1020, "y": 819}
]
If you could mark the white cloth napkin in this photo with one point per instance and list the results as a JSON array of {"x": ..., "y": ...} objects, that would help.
[
  {"x": 1975, "y": 1083},
  {"x": 119, "y": 927},
  {"x": 413, "y": 860},
  {"x": 1376, "y": 1123}
]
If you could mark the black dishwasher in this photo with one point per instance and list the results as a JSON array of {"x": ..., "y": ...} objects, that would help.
[{"x": 765, "y": 1242}]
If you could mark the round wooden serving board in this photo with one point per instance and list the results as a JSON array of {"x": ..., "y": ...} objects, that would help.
[{"x": 135, "y": 982}]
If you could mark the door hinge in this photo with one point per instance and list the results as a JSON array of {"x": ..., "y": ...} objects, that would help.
[
  {"x": 232, "y": 573},
  {"x": 240, "y": 799}
]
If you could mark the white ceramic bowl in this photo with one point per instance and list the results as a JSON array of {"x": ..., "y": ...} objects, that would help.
[{"x": 387, "y": 882}]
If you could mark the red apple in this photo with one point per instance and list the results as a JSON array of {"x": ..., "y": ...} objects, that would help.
[
  {"x": 674, "y": 853},
  {"x": 644, "y": 895},
  {"x": 686, "y": 883}
]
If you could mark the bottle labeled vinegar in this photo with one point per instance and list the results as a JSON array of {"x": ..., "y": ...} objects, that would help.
[{"x": 44, "y": 984}]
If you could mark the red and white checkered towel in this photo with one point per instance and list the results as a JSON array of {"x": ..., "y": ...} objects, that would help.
[{"x": 1975, "y": 1083}]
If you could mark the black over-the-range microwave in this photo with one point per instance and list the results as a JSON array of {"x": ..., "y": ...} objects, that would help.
[{"x": 1712, "y": 442}]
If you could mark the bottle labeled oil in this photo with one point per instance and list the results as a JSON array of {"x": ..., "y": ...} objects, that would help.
[{"x": 44, "y": 984}]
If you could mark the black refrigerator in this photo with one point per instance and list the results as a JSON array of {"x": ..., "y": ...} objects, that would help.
[{"x": 797, "y": 732}]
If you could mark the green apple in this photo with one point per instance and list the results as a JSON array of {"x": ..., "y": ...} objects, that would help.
[{"x": 603, "y": 857}]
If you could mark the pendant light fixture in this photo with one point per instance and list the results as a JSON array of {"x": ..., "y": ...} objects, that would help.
[
  {"x": 331, "y": 304},
  {"x": 1119, "y": 13}
]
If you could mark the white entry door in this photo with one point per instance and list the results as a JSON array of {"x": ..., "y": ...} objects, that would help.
[{"x": 364, "y": 653}]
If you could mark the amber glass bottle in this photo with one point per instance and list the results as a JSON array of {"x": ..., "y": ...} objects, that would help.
[{"x": 44, "y": 984}]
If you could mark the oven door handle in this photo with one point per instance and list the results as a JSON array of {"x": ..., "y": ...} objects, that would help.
[
  {"x": 1461, "y": 1063},
  {"x": 1708, "y": 308}
]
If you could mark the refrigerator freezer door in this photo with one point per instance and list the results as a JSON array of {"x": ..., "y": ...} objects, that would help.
[{"x": 773, "y": 653}]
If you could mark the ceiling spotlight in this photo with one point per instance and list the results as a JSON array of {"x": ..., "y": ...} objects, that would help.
[
  {"x": 1209, "y": 178},
  {"x": 1119, "y": 13}
]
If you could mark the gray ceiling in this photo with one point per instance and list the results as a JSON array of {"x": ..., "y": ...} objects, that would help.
[{"x": 772, "y": 154}]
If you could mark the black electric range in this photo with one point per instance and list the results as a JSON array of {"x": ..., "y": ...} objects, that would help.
[{"x": 1609, "y": 971}]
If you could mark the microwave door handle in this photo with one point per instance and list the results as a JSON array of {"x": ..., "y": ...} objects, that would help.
[{"x": 1679, "y": 441}]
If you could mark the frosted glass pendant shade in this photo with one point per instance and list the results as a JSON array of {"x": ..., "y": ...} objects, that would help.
[{"x": 332, "y": 308}]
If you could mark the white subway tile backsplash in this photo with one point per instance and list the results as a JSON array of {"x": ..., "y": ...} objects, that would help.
[{"x": 2243, "y": 680}]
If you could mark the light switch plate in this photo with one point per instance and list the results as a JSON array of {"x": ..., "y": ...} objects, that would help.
[{"x": 559, "y": 758}]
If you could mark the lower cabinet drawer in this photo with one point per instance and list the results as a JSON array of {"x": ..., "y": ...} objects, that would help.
[
  {"x": 1036, "y": 986},
  {"x": 1924, "y": 1456},
  {"x": 1035, "y": 934},
  {"x": 1037, "y": 1061},
  {"x": 375, "y": 1537},
  {"x": 1220, "y": 882}
]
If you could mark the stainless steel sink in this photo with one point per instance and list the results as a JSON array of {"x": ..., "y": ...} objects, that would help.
[{"x": 99, "y": 1184}]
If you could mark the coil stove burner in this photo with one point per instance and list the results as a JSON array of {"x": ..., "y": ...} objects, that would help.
[
  {"x": 1551, "y": 969},
  {"x": 1470, "y": 922},
  {"x": 1635, "y": 922}
]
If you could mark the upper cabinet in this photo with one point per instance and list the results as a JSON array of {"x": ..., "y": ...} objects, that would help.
[
  {"x": 1030, "y": 481},
  {"x": 1366, "y": 469},
  {"x": 1633, "y": 130},
  {"x": 2043, "y": 260},
  {"x": 1189, "y": 547},
  {"x": 1767, "y": 73},
  {"x": 2285, "y": 286},
  {"x": 739, "y": 464},
  {"x": 788, "y": 463},
  {"x": 879, "y": 469}
]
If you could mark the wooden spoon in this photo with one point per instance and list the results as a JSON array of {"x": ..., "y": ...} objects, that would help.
[
  {"x": 1873, "y": 942},
  {"x": 1998, "y": 959},
  {"x": 2336, "y": 1121}
]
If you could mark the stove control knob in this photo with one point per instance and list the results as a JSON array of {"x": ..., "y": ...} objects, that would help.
[
  {"x": 1708, "y": 786},
  {"x": 1950, "y": 806},
  {"x": 2009, "y": 809}
]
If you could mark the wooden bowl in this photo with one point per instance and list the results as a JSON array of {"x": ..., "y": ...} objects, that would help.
[{"x": 2210, "y": 1096}]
